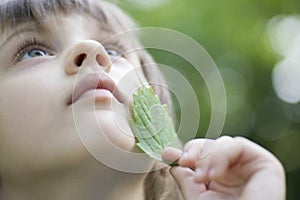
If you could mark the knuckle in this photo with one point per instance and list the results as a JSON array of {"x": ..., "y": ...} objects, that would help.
[
  {"x": 226, "y": 138},
  {"x": 193, "y": 144}
]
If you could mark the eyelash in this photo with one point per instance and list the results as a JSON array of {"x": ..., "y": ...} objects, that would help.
[
  {"x": 116, "y": 46},
  {"x": 33, "y": 43},
  {"x": 29, "y": 44},
  {"x": 110, "y": 48}
]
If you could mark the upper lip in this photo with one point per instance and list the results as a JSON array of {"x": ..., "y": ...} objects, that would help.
[{"x": 95, "y": 81}]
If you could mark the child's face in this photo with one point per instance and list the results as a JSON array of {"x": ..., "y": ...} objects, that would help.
[{"x": 40, "y": 125}]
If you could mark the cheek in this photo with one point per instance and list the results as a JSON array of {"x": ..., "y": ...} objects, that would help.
[
  {"x": 23, "y": 112},
  {"x": 36, "y": 129},
  {"x": 127, "y": 77},
  {"x": 23, "y": 104},
  {"x": 20, "y": 123}
]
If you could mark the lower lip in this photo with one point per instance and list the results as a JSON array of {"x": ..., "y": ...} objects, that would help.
[{"x": 100, "y": 95}]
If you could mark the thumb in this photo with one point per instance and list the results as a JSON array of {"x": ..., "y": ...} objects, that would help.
[{"x": 171, "y": 154}]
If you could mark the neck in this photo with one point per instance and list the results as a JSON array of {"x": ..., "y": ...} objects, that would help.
[{"x": 93, "y": 183}]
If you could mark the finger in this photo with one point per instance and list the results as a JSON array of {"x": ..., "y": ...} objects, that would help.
[
  {"x": 171, "y": 154},
  {"x": 253, "y": 150},
  {"x": 226, "y": 158},
  {"x": 215, "y": 162},
  {"x": 186, "y": 182},
  {"x": 191, "y": 153}
]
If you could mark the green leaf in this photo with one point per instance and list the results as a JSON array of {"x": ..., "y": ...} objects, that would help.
[{"x": 151, "y": 123}]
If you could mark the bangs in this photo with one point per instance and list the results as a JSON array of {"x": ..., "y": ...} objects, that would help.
[{"x": 14, "y": 13}]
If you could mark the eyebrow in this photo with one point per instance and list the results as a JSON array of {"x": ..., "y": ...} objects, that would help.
[{"x": 25, "y": 29}]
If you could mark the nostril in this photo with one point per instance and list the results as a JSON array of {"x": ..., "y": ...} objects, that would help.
[
  {"x": 79, "y": 59},
  {"x": 101, "y": 60}
]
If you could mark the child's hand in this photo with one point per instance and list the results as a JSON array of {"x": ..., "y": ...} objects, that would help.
[{"x": 226, "y": 168}]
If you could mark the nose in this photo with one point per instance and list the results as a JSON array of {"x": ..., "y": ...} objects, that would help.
[{"x": 88, "y": 53}]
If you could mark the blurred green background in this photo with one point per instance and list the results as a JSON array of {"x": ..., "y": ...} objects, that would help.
[{"x": 235, "y": 33}]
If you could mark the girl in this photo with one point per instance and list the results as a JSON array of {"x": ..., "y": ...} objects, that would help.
[{"x": 65, "y": 82}]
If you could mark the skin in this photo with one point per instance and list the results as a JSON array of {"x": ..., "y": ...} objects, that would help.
[
  {"x": 45, "y": 142},
  {"x": 226, "y": 168}
]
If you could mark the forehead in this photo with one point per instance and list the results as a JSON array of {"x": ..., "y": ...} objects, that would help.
[
  {"x": 60, "y": 28},
  {"x": 15, "y": 13}
]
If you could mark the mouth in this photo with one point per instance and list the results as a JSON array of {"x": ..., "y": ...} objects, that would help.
[{"x": 101, "y": 86}]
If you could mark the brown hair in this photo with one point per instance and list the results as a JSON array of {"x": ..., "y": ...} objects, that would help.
[{"x": 158, "y": 184}]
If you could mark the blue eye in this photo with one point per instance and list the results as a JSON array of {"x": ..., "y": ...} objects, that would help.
[
  {"x": 34, "y": 53},
  {"x": 112, "y": 52},
  {"x": 32, "y": 48}
]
